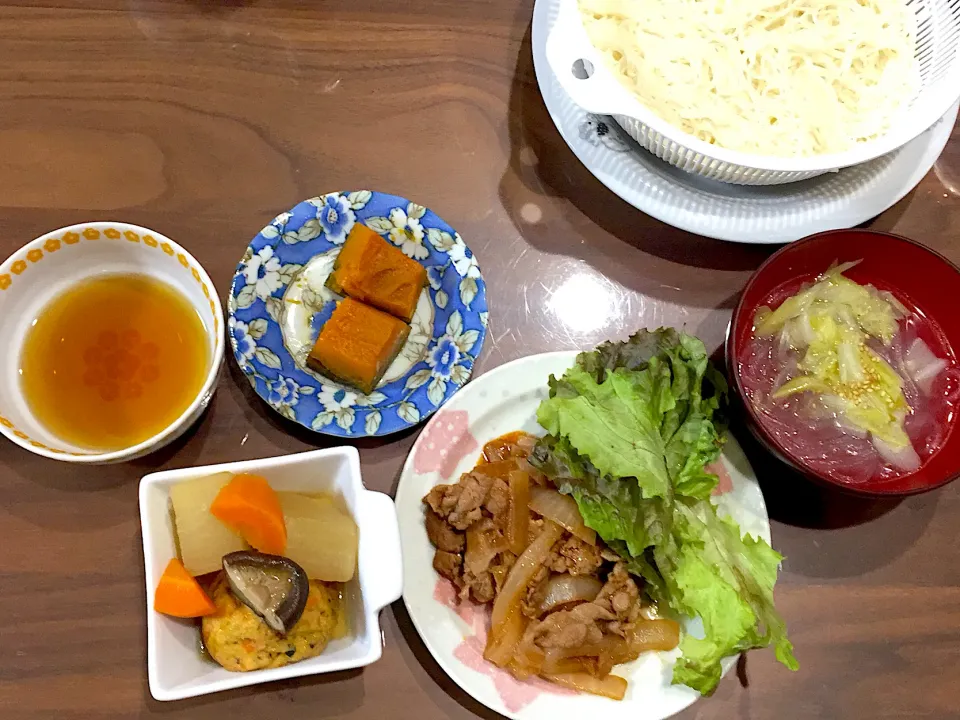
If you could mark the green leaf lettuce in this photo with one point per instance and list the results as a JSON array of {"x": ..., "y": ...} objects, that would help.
[{"x": 631, "y": 427}]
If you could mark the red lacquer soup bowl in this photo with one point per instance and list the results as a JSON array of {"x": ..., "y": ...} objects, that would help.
[{"x": 925, "y": 281}]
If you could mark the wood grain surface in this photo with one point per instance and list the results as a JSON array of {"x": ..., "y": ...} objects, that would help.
[{"x": 203, "y": 119}]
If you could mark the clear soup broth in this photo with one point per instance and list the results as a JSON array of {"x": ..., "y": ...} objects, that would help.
[{"x": 814, "y": 434}]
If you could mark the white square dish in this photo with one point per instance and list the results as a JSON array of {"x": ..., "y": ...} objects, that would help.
[{"x": 175, "y": 666}]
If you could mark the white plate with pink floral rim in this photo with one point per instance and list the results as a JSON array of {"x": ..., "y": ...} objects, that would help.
[{"x": 503, "y": 400}]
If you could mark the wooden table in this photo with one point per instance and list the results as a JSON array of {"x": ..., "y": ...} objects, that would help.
[{"x": 203, "y": 119}]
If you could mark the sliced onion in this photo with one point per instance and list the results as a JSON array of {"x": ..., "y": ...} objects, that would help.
[
  {"x": 784, "y": 340},
  {"x": 608, "y": 644},
  {"x": 499, "y": 572},
  {"x": 563, "y": 510},
  {"x": 557, "y": 661},
  {"x": 848, "y": 357},
  {"x": 498, "y": 468},
  {"x": 527, "y": 661},
  {"x": 905, "y": 458},
  {"x": 836, "y": 411},
  {"x": 797, "y": 333},
  {"x": 891, "y": 300},
  {"x": 566, "y": 589},
  {"x": 922, "y": 365},
  {"x": 803, "y": 333},
  {"x": 503, "y": 640},
  {"x": 612, "y": 686},
  {"x": 644, "y": 636},
  {"x": 846, "y": 317},
  {"x": 518, "y": 520},
  {"x": 842, "y": 267},
  {"x": 521, "y": 573},
  {"x": 847, "y": 427},
  {"x": 662, "y": 634},
  {"x": 763, "y": 312}
]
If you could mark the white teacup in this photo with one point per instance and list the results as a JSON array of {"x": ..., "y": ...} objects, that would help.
[{"x": 47, "y": 266}]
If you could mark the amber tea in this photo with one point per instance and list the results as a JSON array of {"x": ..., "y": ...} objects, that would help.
[{"x": 113, "y": 361}]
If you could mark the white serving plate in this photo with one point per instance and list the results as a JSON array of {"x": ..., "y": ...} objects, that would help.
[
  {"x": 175, "y": 667},
  {"x": 757, "y": 215},
  {"x": 498, "y": 402}
]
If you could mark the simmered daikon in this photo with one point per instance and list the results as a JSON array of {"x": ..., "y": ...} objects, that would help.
[
  {"x": 203, "y": 540},
  {"x": 321, "y": 537}
]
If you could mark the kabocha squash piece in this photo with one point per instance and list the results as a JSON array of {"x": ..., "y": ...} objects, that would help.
[
  {"x": 202, "y": 539},
  {"x": 357, "y": 344},
  {"x": 349, "y": 260},
  {"x": 250, "y": 507},
  {"x": 373, "y": 271},
  {"x": 178, "y": 594}
]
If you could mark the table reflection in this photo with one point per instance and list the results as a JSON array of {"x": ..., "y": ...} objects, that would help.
[{"x": 584, "y": 302}]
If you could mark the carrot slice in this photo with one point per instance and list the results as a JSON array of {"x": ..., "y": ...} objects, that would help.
[
  {"x": 250, "y": 507},
  {"x": 180, "y": 595}
]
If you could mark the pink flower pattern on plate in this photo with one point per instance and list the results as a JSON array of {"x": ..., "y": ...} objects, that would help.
[
  {"x": 514, "y": 693},
  {"x": 719, "y": 469},
  {"x": 445, "y": 442}
]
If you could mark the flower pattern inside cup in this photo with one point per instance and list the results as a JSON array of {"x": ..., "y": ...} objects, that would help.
[{"x": 119, "y": 364}]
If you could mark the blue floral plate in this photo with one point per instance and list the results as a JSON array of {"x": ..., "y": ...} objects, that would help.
[{"x": 278, "y": 303}]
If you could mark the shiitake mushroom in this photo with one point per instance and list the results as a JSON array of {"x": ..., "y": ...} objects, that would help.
[{"x": 274, "y": 587}]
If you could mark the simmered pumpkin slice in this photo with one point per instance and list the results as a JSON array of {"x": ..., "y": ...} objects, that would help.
[
  {"x": 375, "y": 272},
  {"x": 357, "y": 344}
]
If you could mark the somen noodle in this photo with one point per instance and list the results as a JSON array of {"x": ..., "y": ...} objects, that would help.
[{"x": 787, "y": 78}]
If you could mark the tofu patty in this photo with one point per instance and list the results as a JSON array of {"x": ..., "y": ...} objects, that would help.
[{"x": 238, "y": 639}]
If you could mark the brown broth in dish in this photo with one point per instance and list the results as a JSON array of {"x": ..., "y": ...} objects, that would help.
[{"x": 113, "y": 361}]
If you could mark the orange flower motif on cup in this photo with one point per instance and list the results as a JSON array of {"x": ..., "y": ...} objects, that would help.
[
  {"x": 6, "y": 423},
  {"x": 89, "y": 234},
  {"x": 213, "y": 308},
  {"x": 51, "y": 245},
  {"x": 112, "y": 233},
  {"x": 166, "y": 248},
  {"x": 37, "y": 444},
  {"x": 150, "y": 241},
  {"x": 131, "y": 236},
  {"x": 183, "y": 259},
  {"x": 195, "y": 273},
  {"x": 120, "y": 364},
  {"x": 18, "y": 267},
  {"x": 21, "y": 435},
  {"x": 4, "y": 282},
  {"x": 35, "y": 256}
]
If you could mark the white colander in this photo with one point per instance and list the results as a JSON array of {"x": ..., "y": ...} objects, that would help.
[{"x": 581, "y": 71}]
